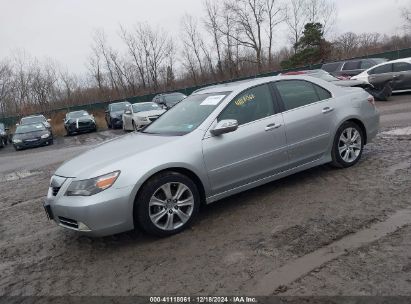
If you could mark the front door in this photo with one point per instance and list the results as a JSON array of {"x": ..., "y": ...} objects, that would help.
[{"x": 257, "y": 149}]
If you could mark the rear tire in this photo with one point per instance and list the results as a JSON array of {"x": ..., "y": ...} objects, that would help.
[
  {"x": 166, "y": 204},
  {"x": 348, "y": 145}
]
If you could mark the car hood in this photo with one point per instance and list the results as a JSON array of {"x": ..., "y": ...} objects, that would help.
[
  {"x": 112, "y": 155},
  {"x": 150, "y": 113},
  {"x": 351, "y": 83}
]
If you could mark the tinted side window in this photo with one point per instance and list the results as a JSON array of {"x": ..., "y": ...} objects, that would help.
[
  {"x": 386, "y": 68},
  {"x": 366, "y": 64},
  {"x": 402, "y": 67},
  {"x": 331, "y": 67},
  {"x": 250, "y": 105},
  {"x": 322, "y": 93},
  {"x": 296, "y": 93},
  {"x": 351, "y": 65}
]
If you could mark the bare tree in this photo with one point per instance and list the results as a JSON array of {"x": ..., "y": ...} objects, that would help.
[
  {"x": 276, "y": 14},
  {"x": 212, "y": 25},
  {"x": 95, "y": 67},
  {"x": 296, "y": 20},
  {"x": 157, "y": 47},
  {"x": 136, "y": 51},
  {"x": 347, "y": 44},
  {"x": 406, "y": 15},
  {"x": 100, "y": 44},
  {"x": 192, "y": 39},
  {"x": 6, "y": 86},
  {"x": 322, "y": 11},
  {"x": 247, "y": 17}
]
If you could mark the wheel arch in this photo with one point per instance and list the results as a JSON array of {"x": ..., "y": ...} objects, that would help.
[
  {"x": 359, "y": 122},
  {"x": 187, "y": 172}
]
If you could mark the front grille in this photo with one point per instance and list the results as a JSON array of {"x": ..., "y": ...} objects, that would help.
[
  {"x": 83, "y": 124},
  {"x": 55, "y": 190},
  {"x": 68, "y": 222}
]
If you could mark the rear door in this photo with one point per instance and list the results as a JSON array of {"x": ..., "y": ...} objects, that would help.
[
  {"x": 380, "y": 75},
  {"x": 257, "y": 149},
  {"x": 402, "y": 76},
  {"x": 308, "y": 116}
]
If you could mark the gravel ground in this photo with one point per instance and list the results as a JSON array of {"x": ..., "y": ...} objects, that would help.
[{"x": 233, "y": 244}]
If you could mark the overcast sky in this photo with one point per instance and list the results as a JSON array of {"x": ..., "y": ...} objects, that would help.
[{"x": 62, "y": 29}]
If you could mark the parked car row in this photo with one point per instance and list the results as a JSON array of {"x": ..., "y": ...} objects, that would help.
[
  {"x": 136, "y": 116},
  {"x": 385, "y": 77},
  {"x": 35, "y": 130},
  {"x": 381, "y": 94}
]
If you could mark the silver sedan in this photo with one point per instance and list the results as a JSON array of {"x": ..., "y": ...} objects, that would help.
[{"x": 219, "y": 141}]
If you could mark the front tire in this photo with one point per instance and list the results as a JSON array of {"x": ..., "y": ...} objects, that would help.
[
  {"x": 348, "y": 145},
  {"x": 167, "y": 204}
]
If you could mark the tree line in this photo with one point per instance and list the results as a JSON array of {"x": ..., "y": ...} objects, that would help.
[{"x": 234, "y": 38}]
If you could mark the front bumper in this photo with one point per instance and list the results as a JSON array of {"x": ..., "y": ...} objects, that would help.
[
  {"x": 117, "y": 122},
  {"x": 34, "y": 143},
  {"x": 106, "y": 213},
  {"x": 82, "y": 127}
]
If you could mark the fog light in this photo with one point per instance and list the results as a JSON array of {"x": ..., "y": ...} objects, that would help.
[{"x": 83, "y": 227}]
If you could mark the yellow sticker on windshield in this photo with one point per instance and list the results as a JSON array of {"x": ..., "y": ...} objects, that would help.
[{"x": 244, "y": 99}]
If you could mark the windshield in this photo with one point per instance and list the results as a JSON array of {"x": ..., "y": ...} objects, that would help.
[
  {"x": 32, "y": 119},
  {"x": 187, "y": 115},
  {"x": 174, "y": 98},
  {"x": 30, "y": 128},
  {"x": 147, "y": 106},
  {"x": 77, "y": 114},
  {"x": 119, "y": 106}
]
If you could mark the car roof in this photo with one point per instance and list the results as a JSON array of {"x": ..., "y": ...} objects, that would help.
[
  {"x": 120, "y": 102},
  {"x": 145, "y": 102},
  {"x": 408, "y": 60},
  {"x": 242, "y": 85},
  {"x": 32, "y": 116}
]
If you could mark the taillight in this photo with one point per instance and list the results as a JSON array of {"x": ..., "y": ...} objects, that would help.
[{"x": 371, "y": 100}]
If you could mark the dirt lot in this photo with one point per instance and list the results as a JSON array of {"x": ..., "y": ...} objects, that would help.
[{"x": 235, "y": 243}]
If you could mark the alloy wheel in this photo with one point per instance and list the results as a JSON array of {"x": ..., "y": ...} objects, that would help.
[
  {"x": 171, "y": 206},
  {"x": 350, "y": 145}
]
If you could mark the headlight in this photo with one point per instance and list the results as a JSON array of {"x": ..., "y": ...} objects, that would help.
[
  {"x": 16, "y": 141},
  {"x": 92, "y": 186},
  {"x": 45, "y": 135}
]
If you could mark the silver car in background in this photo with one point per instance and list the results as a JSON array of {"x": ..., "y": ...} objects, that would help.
[
  {"x": 139, "y": 115},
  {"x": 219, "y": 141}
]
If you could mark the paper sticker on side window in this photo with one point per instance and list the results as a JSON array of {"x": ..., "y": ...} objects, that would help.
[
  {"x": 244, "y": 99},
  {"x": 212, "y": 100}
]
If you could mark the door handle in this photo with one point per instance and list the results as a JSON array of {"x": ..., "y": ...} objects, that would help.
[
  {"x": 327, "y": 110},
  {"x": 272, "y": 126}
]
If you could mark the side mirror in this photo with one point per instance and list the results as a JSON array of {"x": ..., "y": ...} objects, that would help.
[
  {"x": 17, "y": 124},
  {"x": 224, "y": 126},
  {"x": 48, "y": 120}
]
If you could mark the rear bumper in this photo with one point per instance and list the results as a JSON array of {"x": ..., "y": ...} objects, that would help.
[
  {"x": 372, "y": 126},
  {"x": 106, "y": 213}
]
